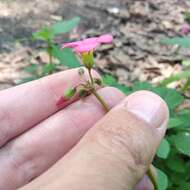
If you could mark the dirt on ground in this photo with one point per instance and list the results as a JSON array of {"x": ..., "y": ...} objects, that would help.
[{"x": 137, "y": 27}]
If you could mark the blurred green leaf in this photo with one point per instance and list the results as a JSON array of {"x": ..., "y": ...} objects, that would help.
[
  {"x": 187, "y": 18},
  {"x": 176, "y": 164},
  {"x": 180, "y": 121},
  {"x": 111, "y": 81},
  {"x": 171, "y": 96},
  {"x": 184, "y": 186},
  {"x": 44, "y": 34},
  {"x": 181, "y": 41},
  {"x": 141, "y": 86},
  {"x": 186, "y": 62},
  {"x": 32, "y": 69},
  {"x": 176, "y": 77},
  {"x": 182, "y": 142},
  {"x": 164, "y": 149},
  {"x": 162, "y": 180},
  {"x": 175, "y": 122},
  {"x": 65, "y": 26},
  {"x": 66, "y": 57},
  {"x": 48, "y": 68},
  {"x": 27, "y": 79}
]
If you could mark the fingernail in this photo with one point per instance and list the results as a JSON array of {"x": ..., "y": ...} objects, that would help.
[{"x": 147, "y": 106}]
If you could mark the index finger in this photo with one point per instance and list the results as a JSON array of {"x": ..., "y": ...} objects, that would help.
[{"x": 24, "y": 106}]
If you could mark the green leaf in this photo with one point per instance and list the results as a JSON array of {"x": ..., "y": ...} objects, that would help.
[
  {"x": 65, "y": 26},
  {"x": 187, "y": 18},
  {"x": 171, "y": 96},
  {"x": 164, "y": 149},
  {"x": 66, "y": 57},
  {"x": 162, "y": 180},
  {"x": 27, "y": 79},
  {"x": 175, "y": 122},
  {"x": 176, "y": 77},
  {"x": 111, "y": 81},
  {"x": 182, "y": 142},
  {"x": 184, "y": 186},
  {"x": 181, "y": 120},
  {"x": 176, "y": 164},
  {"x": 141, "y": 86},
  {"x": 181, "y": 41},
  {"x": 44, "y": 34},
  {"x": 48, "y": 69},
  {"x": 32, "y": 69},
  {"x": 186, "y": 62}
]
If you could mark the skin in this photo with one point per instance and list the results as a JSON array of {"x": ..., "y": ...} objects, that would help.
[{"x": 77, "y": 147}]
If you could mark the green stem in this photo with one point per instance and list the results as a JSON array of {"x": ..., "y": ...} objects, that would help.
[
  {"x": 101, "y": 100},
  {"x": 152, "y": 178},
  {"x": 91, "y": 78},
  {"x": 50, "y": 55}
]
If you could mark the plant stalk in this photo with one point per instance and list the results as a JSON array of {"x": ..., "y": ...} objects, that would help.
[
  {"x": 101, "y": 100},
  {"x": 91, "y": 78}
]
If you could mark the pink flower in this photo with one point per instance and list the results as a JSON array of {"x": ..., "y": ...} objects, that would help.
[{"x": 89, "y": 44}]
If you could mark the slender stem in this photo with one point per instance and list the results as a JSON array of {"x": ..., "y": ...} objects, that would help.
[
  {"x": 50, "y": 55},
  {"x": 152, "y": 178},
  {"x": 91, "y": 78},
  {"x": 101, "y": 100}
]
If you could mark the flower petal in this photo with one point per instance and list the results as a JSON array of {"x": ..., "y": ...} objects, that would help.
[
  {"x": 106, "y": 38},
  {"x": 86, "y": 47},
  {"x": 72, "y": 44},
  {"x": 93, "y": 40}
]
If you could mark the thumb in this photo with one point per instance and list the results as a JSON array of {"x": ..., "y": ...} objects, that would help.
[{"x": 116, "y": 153}]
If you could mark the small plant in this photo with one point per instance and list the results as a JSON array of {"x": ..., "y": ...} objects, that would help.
[
  {"x": 64, "y": 56},
  {"x": 85, "y": 50}
]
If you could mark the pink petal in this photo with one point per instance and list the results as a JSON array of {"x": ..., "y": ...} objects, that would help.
[
  {"x": 107, "y": 39},
  {"x": 90, "y": 41},
  {"x": 86, "y": 47},
  {"x": 72, "y": 44}
]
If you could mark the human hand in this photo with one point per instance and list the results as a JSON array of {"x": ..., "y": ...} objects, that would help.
[{"x": 114, "y": 154}]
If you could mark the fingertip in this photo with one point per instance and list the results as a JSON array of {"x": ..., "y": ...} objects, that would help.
[{"x": 148, "y": 106}]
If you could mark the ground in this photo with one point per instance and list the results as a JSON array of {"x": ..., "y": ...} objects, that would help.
[{"x": 137, "y": 26}]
